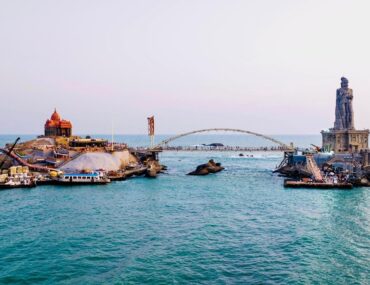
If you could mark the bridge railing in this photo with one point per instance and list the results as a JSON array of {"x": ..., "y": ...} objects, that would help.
[
  {"x": 224, "y": 148},
  {"x": 171, "y": 139}
]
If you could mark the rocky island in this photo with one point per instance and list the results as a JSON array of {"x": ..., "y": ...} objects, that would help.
[{"x": 57, "y": 153}]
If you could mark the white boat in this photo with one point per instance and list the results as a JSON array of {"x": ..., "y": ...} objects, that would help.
[
  {"x": 16, "y": 182},
  {"x": 94, "y": 177}
]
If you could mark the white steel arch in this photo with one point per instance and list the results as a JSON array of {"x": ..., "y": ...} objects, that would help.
[{"x": 166, "y": 141}]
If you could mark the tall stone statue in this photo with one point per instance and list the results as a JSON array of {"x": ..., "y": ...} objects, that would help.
[{"x": 343, "y": 109}]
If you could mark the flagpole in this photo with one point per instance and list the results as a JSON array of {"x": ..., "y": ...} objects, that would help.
[
  {"x": 112, "y": 135},
  {"x": 151, "y": 130}
]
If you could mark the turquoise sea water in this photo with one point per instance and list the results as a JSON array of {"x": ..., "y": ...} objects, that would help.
[{"x": 239, "y": 226}]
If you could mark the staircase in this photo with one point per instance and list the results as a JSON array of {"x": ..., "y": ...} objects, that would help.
[{"x": 313, "y": 168}]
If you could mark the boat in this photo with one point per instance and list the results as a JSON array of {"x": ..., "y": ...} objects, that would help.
[
  {"x": 95, "y": 177},
  {"x": 12, "y": 183}
]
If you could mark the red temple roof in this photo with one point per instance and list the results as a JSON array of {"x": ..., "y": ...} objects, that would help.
[
  {"x": 55, "y": 121},
  {"x": 55, "y": 116},
  {"x": 65, "y": 124}
]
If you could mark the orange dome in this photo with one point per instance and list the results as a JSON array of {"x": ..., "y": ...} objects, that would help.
[
  {"x": 55, "y": 116},
  {"x": 50, "y": 123}
]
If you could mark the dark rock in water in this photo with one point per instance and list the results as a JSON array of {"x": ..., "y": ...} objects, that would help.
[
  {"x": 240, "y": 154},
  {"x": 207, "y": 168},
  {"x": 153, "y": 168},
  {"x": 201, "y": 170}
]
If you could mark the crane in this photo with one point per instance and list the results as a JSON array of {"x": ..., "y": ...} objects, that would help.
[{"x": 9, "y": 151}]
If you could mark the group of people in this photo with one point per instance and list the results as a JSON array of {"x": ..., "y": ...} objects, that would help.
[{"x": 336, "y": 175}]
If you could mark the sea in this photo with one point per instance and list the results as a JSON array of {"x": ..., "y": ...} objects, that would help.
[{"x": 239, "y": 226}]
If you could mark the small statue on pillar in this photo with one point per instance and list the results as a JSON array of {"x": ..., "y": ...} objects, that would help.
[{"x": 343, "y": 110}]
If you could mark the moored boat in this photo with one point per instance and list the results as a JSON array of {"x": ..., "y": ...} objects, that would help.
[
  {"x": 18, "y": 183},
  {"x": 94, "y": 177}
]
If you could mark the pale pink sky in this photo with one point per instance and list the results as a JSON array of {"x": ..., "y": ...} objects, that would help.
[{"x": 265, "y": 66}]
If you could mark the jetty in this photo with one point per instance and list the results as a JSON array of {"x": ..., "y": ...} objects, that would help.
[{"x": 318, "y": 185}]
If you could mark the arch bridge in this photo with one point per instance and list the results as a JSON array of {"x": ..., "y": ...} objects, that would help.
[{"x": 171, "y": 139}]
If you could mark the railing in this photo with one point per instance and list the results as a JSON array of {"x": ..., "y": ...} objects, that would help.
[
  {"x": 313, "y": 168},
  {"x": 166, "y": 141},
  {"x": 223, "y": 148}
]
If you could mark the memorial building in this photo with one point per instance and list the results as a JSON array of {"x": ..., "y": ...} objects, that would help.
[{"x": 56, "y": 126}]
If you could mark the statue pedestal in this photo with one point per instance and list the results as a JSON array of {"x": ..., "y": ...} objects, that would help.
[{"x": 344, "y": 141}]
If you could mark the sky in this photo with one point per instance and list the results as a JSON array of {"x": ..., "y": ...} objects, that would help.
[{"x": 271, "y": 67}]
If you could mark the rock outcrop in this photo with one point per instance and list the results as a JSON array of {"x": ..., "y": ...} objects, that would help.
[{"x": 207, "y": 168}]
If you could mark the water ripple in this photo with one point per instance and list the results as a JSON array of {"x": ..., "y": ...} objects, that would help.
[{"x": 239, "y": 226}]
